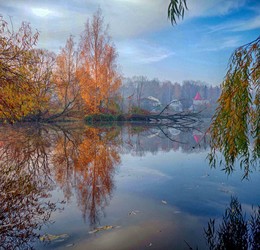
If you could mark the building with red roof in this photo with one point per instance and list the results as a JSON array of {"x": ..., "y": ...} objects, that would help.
[
  {"x": 197, "y": 97},
  {"x": 198, "y": 101}
]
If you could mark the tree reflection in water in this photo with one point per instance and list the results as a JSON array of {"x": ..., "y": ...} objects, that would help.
[
  {"x": 235, "y": 232},
  {"x": 143, "y": 139},
  {"x": 36, "y": 159},
  {"x": 82, "y": 162},
  {"x": 24, "y": 182},
  {"x": 88, "y": 165}
]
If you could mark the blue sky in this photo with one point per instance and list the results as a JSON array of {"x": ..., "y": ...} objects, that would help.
[{"x": 198, "y": 48}]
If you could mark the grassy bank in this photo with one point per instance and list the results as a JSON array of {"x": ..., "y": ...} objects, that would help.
[{"x": 97, "y": 118}]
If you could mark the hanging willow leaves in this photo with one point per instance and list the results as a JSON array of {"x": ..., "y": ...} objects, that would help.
[
  {"x": 237, "y": 116},
  {"x": 176, "y": 10}
]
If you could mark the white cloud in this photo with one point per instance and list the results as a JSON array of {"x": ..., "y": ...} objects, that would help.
[
  {"x": 127, "y": 18},
  {"x": 238, "y": 25},
  {"x": 212, "y": 7},
  {"x": 135, "y": 22},
  {"x": 224, "y": 43},
  {"x": 251, "y": 24},
  {"x": 143, "y": 52},
  {"x": 130, "y": 18},
  {"x": 41, "y": 12}
]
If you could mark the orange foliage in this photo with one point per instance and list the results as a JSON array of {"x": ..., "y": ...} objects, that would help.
[
  {"x": 24, "y": 73},
  {"x": 97, "y": 72},
  {"x": 15, "y": 71},
  {"x": 36, "y": 86},
  {"x": 95, "y": 167},
  {"x": 87, "y": 165},
  {"x": 64, "y": 77}
]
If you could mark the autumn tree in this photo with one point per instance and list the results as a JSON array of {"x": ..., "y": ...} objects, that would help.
[
  {"x": 64, "y": 77},
  {"x": 16, "y": 69},
  {"x": 25, "y": 74},
  {"x": 97, "y": 72},
  {"x": 41, "y": 79},
  {"x": 111, "y": 78}
]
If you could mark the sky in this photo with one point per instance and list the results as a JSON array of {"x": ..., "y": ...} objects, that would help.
[{"x": 198, "y": 48}]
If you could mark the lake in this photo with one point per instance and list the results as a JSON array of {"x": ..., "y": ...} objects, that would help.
[{"x": 72, "y": 186}]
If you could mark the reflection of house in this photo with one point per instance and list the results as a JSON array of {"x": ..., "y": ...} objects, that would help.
[
  {"x": 198, "y": 102},
  {"x": 151, "y": 103},
  {"x": 173, "y": 131},
  {"x": 197, "y": 136},
  {"x": 175, "y": 105}
]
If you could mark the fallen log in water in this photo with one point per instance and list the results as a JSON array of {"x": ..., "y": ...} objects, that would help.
[{"x": 181, "y": 118}]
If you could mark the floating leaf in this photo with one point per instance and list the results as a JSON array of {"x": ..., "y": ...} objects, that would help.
[
  {"x": 98, "y": 229},
  {"x": 51, "y": 237},
  {"x": 134, "y": 212},
  {"x": 225, "y": 190},
  {"x": 69, "y": 245}
]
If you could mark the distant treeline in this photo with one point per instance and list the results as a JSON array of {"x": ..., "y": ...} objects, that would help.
[{"x": 135, "y": 89}]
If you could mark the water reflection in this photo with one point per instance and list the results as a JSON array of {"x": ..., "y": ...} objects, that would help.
[
  {"x": 235, "y": 231},
  {"x": 87, "y": 165},
  {"x": 24, "y": 182},
  {"x": 140, "y": 140},
  {"x": 81, "y": 161},
  {"x": 35, "y": 160}
]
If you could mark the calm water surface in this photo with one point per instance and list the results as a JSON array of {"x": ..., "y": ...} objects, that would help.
[{"x": 124, "y": 187}]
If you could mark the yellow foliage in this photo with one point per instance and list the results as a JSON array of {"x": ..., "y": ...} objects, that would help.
[
  {"x": 97, "y": 72},
  {"x": 237, "y": 115},
  {"x": 24, "y": 73}
]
